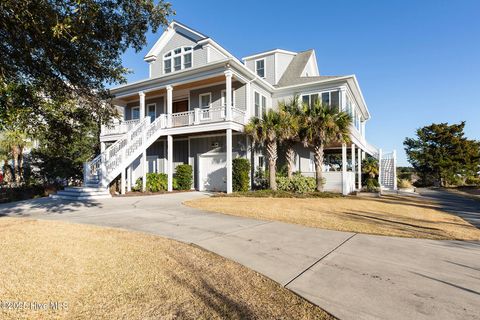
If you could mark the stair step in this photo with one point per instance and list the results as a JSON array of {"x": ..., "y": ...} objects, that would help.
[
  {"x": 85, "y": 189},
  {"x": 63, "y": 197},
  {"x": 82, "y": 194}
]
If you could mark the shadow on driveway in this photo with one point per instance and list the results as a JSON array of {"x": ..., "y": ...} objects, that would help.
[
  {"x": 45, "y": 205},
  {"x": 466, "y": 208}
]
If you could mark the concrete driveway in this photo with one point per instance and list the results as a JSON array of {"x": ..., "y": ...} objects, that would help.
[{"x": 352, "y": 276}]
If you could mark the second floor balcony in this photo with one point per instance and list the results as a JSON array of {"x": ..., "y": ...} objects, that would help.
[{"x": 192, "y": 118}]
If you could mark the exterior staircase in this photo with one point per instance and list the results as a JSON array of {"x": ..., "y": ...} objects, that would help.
[
  {"x": 104, "y": 168},
  {"x": 388, "y": 174}
]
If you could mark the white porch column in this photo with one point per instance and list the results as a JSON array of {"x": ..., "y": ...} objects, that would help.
[
  {"x": 143, "y": 160},
  {"x": 170, "y": 163},
  {"x": 248, "y": 101},
  {"x": 353, "y": 163},
  {"x": 229, "y": 161},
  {"x": 169, "y": 105},
  {"x": 343, "y": 98},
  {"x": 122, "y": 182},
  {"x": 102, "y": 147},
  {"x": 129, "y": 178},
  {"x": 141, "y": 94},
  {"x": 228, "y": 94},
  {"x": 344, "y": 169},
  {"x": 359, "y": 177}
]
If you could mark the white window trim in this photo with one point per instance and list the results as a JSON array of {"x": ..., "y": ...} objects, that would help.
[
  {"x": 149, "y": 105},
  {"x": 182, "y": 54},
  {"x": 259, "y": 103},
  {"x": 309, "y": 94},
  {"x": 131, "y": 112},
  {"x": 205, "y": 115},
  {"x": 264, "y": 67}
]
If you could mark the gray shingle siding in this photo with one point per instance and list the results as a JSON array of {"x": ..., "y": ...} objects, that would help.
[
  {"x": 216, "y": 92},
  {"x": 199, "y": 56},
  {"x": 159, "y": 101}
]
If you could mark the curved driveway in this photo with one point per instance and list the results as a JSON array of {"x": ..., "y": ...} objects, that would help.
[{"x": 352, "y": 276}]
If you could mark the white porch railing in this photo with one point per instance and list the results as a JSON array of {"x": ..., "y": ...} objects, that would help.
[{"x": 118, "y": 127}]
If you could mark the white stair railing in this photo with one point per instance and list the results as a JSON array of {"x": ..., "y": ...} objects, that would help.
[{"x": 387, "y": 172}]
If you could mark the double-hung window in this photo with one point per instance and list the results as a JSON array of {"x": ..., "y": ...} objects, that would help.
[
  {"x": 204, "y": 101},
  {"x": 135, "y": 113},
  {"x": 260, "y": 68},
  {"x": 331, "y": 98},
  {"x": 310, "y": 99},
  {"x": 151, "y": 111},
  {"x": 177, "y": 59},
  {"x": 260, "y": 105}
]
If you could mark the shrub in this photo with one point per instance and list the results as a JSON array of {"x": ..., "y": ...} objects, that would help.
[
  {"x": 260, "y": 179},
  {"x": 404, "y": 184},
  {"x": 240, "y": 174},
  {"x": 371, "y": 185},
  {"x": 297, "y": 183},
  {"x": 155, "y": 182},
  {"x": 473, "y": 181},
  {"x": 184, "y": 177}
]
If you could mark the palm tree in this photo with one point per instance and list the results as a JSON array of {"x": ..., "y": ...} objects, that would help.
[
  {"x": 13, "y": 142},
  {"x": 289, "y": 118},
  {"x": 322, "y": 125},
  {"x": 266, "y": 131}
]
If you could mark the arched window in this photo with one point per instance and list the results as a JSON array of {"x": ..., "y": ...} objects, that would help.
[{"x": 177, "y": 59}]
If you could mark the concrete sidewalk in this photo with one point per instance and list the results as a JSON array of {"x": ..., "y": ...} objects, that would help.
[{"x": 352, "y": 276}]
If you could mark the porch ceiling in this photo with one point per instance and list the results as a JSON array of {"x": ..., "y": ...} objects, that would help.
[{"x": 161, "y": 90}]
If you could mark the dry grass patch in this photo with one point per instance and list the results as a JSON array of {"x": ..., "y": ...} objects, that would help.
[
  {"x": 115, "y": 274},
  {"x": 389, "y": 215}
]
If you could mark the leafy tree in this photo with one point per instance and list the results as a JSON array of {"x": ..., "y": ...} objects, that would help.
[
  {"x": 321, "y": 125},
  {"x": 266, "y": 131},
  {"x": 60, "y": 50},
  {"x": 289, "y": 118},
  {"x": 442, "y": 153},
  {"x": 69, "y": 139}
]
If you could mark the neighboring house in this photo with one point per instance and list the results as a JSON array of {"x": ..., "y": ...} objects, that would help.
[{"x": 193, "y": 107}]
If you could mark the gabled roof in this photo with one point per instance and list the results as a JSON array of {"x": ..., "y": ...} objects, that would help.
[
  {"x": 293, "y": 73},
  {"x": 174, "y": 27}
]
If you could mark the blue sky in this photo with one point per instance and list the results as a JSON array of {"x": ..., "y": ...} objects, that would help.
[{"x": 417, "y": 62}]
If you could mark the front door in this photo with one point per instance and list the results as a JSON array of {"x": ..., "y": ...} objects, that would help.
[{"x": 180, "y": 106}]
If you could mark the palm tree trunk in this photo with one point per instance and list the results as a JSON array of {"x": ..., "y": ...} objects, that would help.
[
  {"x": 20, "y": 165},
  {"x": 16, "y": 172},
  {"x": 272, "y": 163},
  {"x": 318, "y": 159},
  {"x": 290, "y": 157}
]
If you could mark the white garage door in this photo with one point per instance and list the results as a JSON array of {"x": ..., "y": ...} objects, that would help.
[{"x": 212, "y": 172}]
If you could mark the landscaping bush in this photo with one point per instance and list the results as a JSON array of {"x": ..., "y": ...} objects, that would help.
[
  {"x": 155, "y": 182},
  {"x": 472, "y": 181},
  {"x": 260, "y": 179},
  {"x": 404, "y": 184},
  {"x": 371, "y": 185},
  {"x": 184, "y": 176},
  {"x": 298, "y": 184},
  {"x": 240, "y": 174}
]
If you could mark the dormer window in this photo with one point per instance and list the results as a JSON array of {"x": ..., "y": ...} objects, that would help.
[
  {"x": 260, "y": 68},
  {"x": 177, "y": 59}
]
